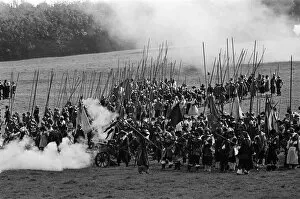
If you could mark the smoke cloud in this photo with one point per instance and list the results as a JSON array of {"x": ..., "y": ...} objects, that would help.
[
  {"x": 297, "y": 29},
  {"x": 15, "y": 156},
  {"x": 185, "y": 24},
  {"x": 100, "y": 115}
]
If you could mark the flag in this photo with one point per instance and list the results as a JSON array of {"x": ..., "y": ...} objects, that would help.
[
  {"x": 83, "y": 120},
  {"x": 193, "y": 111},
  {"x": 214, "y": 116},
  {"x": 175, "y": 115},
  {"x": 272, "y": 120},
  {"x": 237, "y": 112},
  {"x": 212, "y": 107},
  {"x": 271, "y": 115}
]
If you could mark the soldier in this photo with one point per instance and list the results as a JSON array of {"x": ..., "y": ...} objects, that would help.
[
  {"x": 62, "y": 125},
  {"x": 194, "y": 148},
  {"x": 273, "y": 82},
  {"x": 7, "y": 114},
  {"x": 123, "y": 148},
  {"x": 6, "y": 88},
  {"x": 207, "y": 154},
  {"x": 43, "y": 135},
  {"x": 272, "y": 148},
  {"x": 79, "y": 134},
  {"x": 56, "y": 115},
  {"x": 142, "y": 155},
  {"x": 13, "y": 88},
  {"x": 279, "y": 84},
  {"x": 267, "y": 84},
  {"x": 36, "y": 113},
  {"x": 1, "y": 90}
]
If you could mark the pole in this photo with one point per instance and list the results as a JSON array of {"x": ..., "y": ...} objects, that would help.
[
  {"x": 291, "y": 85},
  {"x": 204, "y": 63}
]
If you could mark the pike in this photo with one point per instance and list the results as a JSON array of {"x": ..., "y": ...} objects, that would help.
[
  {"x": 252, "y": 84},
  {"x": 204, "y": 64},
  {"x": 291, "y": 85},
  {"x": 77, "y": 83},
  {"x": 227, "y": 52},
  {"x": 180, "y": 64},
  {"x": 31, "y": 93},
  {"x": 213, "y": 70},
  {"x": 35, "y": 89},
  {"x": 49, "y": 90},
  {"x": 14, "y": 94},
  {"x": 98, "y": 86},
  {"x": 233, "y": 55},
  {"x": 10, "y": 89},
  {"x": 106, "y": 85}
]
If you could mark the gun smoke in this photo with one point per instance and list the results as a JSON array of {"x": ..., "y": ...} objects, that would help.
[
  {"x": 186, "y": 24},
  {"x": 16, "y": 155},
  {"x": 100, "y": 116}
]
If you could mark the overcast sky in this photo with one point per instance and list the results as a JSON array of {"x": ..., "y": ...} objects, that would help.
[{"x": 35, "y": 2}]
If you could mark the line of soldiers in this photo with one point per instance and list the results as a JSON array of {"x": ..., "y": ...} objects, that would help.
[
  {"x": 145, "y": 108},
  {"x": 52, "y": 127},
  {"x": 233, "y": 146},
  {"x": 7, "y": 89}
]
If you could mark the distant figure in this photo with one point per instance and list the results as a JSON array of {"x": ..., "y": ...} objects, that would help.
[
  {"x": 267, "y": 83},
  {"x": 279, "y": 84},
  {"x": 1, "y": 90},
  {"x": 36, "y": 113},
  {"x": 273, "y": 84},
  {"x": 6, "y": 88},
  {"x": 13, "y": 89},
  {"x": 7, "y": 114}
]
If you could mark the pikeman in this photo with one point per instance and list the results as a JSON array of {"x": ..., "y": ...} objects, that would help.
[
  {"x": 123, "y": 148},
  {"x": 142, "y": 155},
  {"x": 273, "y": 84}
]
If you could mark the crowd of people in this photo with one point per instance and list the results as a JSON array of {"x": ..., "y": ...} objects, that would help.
[
  {"x": 7, "y": 89},
  {"x": 161, "y": 119}
]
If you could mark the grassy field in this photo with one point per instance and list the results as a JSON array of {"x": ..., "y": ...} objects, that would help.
[{"x": 121, "y": 182}]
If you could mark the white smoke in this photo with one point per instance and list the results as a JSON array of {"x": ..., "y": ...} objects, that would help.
[
  {"x": 297, "y": 29},
  {"x": 15, "y": 156},
  {"x": 100, "y": 115},
  {"x": 190, "y": 22}
]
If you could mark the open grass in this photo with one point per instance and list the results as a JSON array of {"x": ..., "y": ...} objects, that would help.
[{"x": 125, "y": 182}]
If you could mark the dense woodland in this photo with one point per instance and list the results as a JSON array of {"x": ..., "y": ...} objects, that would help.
[{"x": 28, "y": 31}]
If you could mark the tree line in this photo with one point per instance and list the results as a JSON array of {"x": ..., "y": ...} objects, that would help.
[{"x": 28, "y": 31}]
